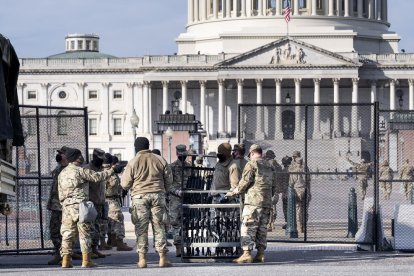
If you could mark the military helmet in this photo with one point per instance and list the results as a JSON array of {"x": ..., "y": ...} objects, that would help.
[
  {"x": 181, "y": 149},
  {"x": 270, "y": 154},
  {"x": 224, "y": 148}
]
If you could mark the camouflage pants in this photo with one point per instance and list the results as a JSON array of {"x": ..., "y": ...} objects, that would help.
[
  {"x": 363, "y": 184},
  {"x": 254, "y": 227},
  {"x": 175, "y": 218},
  {"x": 145, "y": 209},
  {"x": 302, "y": 207},
  {"x": 100, "y": 227},
  {"x": 54, "y": 228},
  {"x": 386, "y": 188},
  {"x": 115, "y": 218},
  {"x": 408, "y": 190},
  {"x": 70, "y": 227},
  {"x": 273, "y": 210}
]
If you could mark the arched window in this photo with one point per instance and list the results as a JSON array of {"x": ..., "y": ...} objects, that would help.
[{"x": 62, "y": 124}]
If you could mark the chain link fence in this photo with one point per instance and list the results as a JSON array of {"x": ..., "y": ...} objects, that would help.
[{"x": 46, "y": 129}]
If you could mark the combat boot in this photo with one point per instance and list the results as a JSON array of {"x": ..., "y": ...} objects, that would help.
[
  {"x": 178, "y": 250},
  {"x": 245, "y": 258},
  {"x": 86, "y": 261},
  {"x": 97, "y": 253},
  {"x": 55, "y": 260},
  {"x": 121, "y": 246},
  {"x": 259, "y": 256},
  {"x": 142, "y": 262},
  {"x": 111, "y": 240},
  {"x": 164, "y": 262},
  {"x": 67, "y": 261},
  {"x": 104, "y": 245}
]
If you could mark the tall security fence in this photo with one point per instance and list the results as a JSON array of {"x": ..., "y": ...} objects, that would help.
[
  {"x": 46, "y": 129},
  {"x": 331, "y": 141}
]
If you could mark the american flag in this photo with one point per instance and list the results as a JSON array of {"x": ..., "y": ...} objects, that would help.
[{"x": 286, "y": 11}]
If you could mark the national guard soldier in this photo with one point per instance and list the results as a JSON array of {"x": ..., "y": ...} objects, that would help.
[
  {"x": 55, "y": 208},
  {"x": 407, "y": 174},
  {"x": 301, "y": 185},
  {"x": 362, "y": 175},
  {"x": 238, "y": 157},
  {"x": 284, "y": 180},
  {"x": 97, "y": 196},
  {"x": 149, "y": 177},
  {"x": 226, "y": 173},
  {"x": 73, "y": 190},
  {"x": 270, "y": 158},
  {"x": 180, "y": 177},
  {"x": 386, "y": 173},
  {"x": 258, "y": 185},
  {"x": 113, "y": 193}
]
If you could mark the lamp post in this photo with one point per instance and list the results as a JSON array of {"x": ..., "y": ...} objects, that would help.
[
  {"x": 169, "y": 133},
  {"x": 134, "y": 124}
]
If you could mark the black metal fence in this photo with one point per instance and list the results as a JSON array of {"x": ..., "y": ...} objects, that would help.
[{"x": 46, "y": 129}]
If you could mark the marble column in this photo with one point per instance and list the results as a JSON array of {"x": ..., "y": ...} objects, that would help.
[
  {"x": 184, "y": 96},
  {"x": 336, "y": 128},
  {"x": 130, "y": 99},
  {"x": 243, "y": 8},
  {"x": 45, "y": 92},
  {"x": 228, "y": 8},
  {"x": 196, "y": 11},
  {"x": 20, "y": 89},
  {"x": 392, "y": 94},
  {"x": 346, "y": 8},
  {"x": 260, "y": 110},
  {"x": 105, "y": 109},
  {"x": 371, "y": 9},
  {"x": 314, "y": 8},
  {"x": 240, "y": 83},
  {"x": 146, "y": 109},
  {"x": 215, "y": 9},
  {"x": 360, "y": 8},
  {"x": 379, "y": 9},
  {"x": 249, "y": 8},
  {"x": 260, "y": 8},
  {"x": 278, "y": 123},
  {"x": 81, "y": 86},
  {"x": 190, "y": 11},
  {"x": 411, "y": 94},
  {"x": 331, "y": 8},
  {"x": 278, "y": 7},
  {"x": 235, "y": 8},
  {"x": 203, "y": 10},
  {"x": 296, "y": 7},
  {"x": 203, "y": 103},
  {"x": 164, "y": 96},
  {"x": 221, "y": 108},
  {"x": 317, "y": 110},
  {"x": 354, "y": 112},
  {"x": 373, "y": 100},
  {"x": 298, "y": 113}
]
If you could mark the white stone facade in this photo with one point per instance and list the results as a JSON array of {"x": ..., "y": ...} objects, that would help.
[{"x": 237, "y": 52}]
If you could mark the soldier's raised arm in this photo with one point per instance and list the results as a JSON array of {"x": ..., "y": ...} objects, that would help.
[
  {"x": 352, "y": 162},
  {"x": 92, "y": 176},
  {"x": 127, "y": 179},
  {"x": 247, "y": 178}
]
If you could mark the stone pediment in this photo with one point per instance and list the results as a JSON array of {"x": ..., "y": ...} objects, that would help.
[{"x": 288, "y": 52}]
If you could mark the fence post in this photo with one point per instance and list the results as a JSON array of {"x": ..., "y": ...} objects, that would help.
[
  {"x": 412, "y": 193},
  {"x": 291, "y": 229},
  {"x": 352, "y": 214}
]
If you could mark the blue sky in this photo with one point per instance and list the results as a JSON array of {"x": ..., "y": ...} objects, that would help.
[{"x": 127, "y": 27}]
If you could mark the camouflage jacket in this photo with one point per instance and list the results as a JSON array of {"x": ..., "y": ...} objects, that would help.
[
  {"x": 178, "y": 175},
  {"x": 406, "y": 172},
  {"x": 113, "y": 186},
  {"x": 74, "y": 183},
  {"x": 226, "y": 175},
  {"x": 386, "y": 173},
  {"x": 53, "y": 202},
  {"x": 147, "y": 173},
  {"x": 281, "y": 183},
  {"x": 258, "y": 183},
  {"x": 296, "y": 176},
  {"x": 96, "y": 190},
  {"x": 361, "y": 169}
]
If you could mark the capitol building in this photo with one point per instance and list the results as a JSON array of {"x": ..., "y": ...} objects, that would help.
[{"x": 236, "y": 52}]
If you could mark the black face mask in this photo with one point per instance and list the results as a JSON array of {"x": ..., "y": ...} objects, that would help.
[
  {"x": 97, "y": 162},
  {"x": 81, "y": 160},
  {"x": 58, "y": 158},
  {"x": 221, "y": 157},
  {"x": 182, "y": 158}
]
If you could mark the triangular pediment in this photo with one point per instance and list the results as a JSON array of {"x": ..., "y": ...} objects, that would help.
[{"x": 288, "y": 52}]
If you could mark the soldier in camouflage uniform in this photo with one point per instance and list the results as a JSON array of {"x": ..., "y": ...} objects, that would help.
[
  {"x": 73, "y": 190},
  {"x": 175, "y": 194},
  {"x": 55, "y": 208},
  {"x": 97, "y": 196},
  {"x": 362, "y": 175},
  {"x": 113, "y": 193},
  {"x": 258, "y": 185},
  {"x": 407, "y": 173},
  {"x": 386, "y": 173},
  {"x": 226, "y": 172},
  {"x": 270, "y": 158},
  {"x": 238, "y": 157},
  {"x": 149, "y": 177}
]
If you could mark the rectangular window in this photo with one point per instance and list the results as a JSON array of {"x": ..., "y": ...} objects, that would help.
[
  {"x": 93, "y": 123},
  {"x": 92, "y": 94},
  {"x": 32, "y": 160},
  {"x": 95, "y": 46},
  {"x": 302, "y": 4},
  {"x": 72, "y": 45},
  {"x": 31, "y": 95},
  {"x": 117, "y": 126},
  {"x": 80, "y": 45},
  {"x": 117, "y": 94},
  {"x": 88, "y": 44},
  {"x": 119, "y": 155}
]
